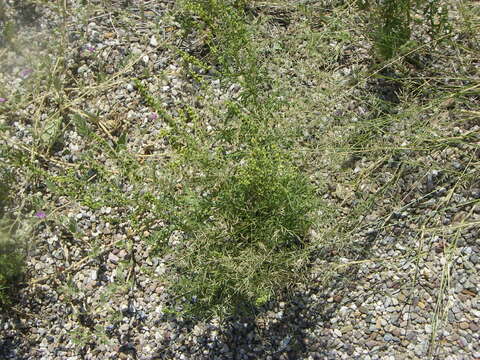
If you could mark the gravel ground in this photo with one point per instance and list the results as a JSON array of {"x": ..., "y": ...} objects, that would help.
[{"x": 417, "y": 296}]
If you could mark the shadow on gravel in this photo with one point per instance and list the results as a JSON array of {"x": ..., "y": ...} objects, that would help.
[
  {"x": 297, "y": 327},
  {"x": 386, "y": 87},
  {"x": 12, "y": 341},
  {"x": 9, "y": 348}
]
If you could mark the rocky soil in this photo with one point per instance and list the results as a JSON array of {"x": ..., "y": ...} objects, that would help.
[{"x": 415, "y": 296}]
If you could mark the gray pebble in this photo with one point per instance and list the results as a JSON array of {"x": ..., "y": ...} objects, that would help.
[
  {"x": 451, "y": 316},
  {"x": 462, "y": 341},
  {"x": 113, "y": 258},
  {"x": 457, "y": 165},
  {"x": 419, "y": 349},
  {"x": 474, "y": 259},
  {"x": 388, "y": 337},
  {"x": 363, "y": 310},
  {"x": 411, "y": 336}
]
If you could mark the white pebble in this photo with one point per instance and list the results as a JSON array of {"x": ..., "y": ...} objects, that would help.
[{"x": 153, "y": 41}]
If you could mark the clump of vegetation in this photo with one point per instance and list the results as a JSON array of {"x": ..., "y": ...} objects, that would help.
[
  {"x": 7, "y": 34},
  {"x": 11, "y": 268},
  {"x": 4, "y": 190},
  {"x": 243, "y": 232},
  {"x": 221, "y": 25},
  {"x": 11, "y": 254},
  {"x": 395, "y": 20},
  {"x": 236, "y": 226},
  {"x": 393, "y": 29}
]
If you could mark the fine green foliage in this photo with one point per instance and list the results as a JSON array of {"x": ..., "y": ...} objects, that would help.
[
  {"x": 395, "y": 21},
  {"x": 393, "y": 29},
  {"x": 11, "y": 266},
  {"x": 435, "y": 13},
  {"x": 243, "y": 232},
  {"x": 4, "y": 190},
  {"x": 7, "y": 34},
  {"x": 221, "y": 25},
  {"x": 237, "y": 225},
  {"x": 11, "y": 254}
]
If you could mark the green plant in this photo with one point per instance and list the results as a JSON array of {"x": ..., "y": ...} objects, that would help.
[
  {"x": 394, "y": 26},
  {"x": 222, "y": 27},
  {"x": 243, "y": 231},
  {"x": 393, "y": 22},
  {"x": 3, "y": 15},
  {"x": 8, "y": 33},
  {"x": 435, "y": 13},
  {"x": 11, "y": 266},
  {"x": 228, "y": 49},
  {"x": 11, "y": 253},
  {"x": 236, "y": 208},
  {"x": 5, "y": 179}
]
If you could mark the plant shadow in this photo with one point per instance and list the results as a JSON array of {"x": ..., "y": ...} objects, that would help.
[{"x": 297, "y": 326}]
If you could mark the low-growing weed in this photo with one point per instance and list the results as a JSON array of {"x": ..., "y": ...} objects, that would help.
[
  {"x": 240, "y": 233},
  {"x": 221, "y": 25},
  {"x": 238, "y": 209},
  {"x": 12, "y": 263},
  {"x": 393, "y": 29},
  {"x": 395, "y": 21},
  {"x": 11, "y": 258}
]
